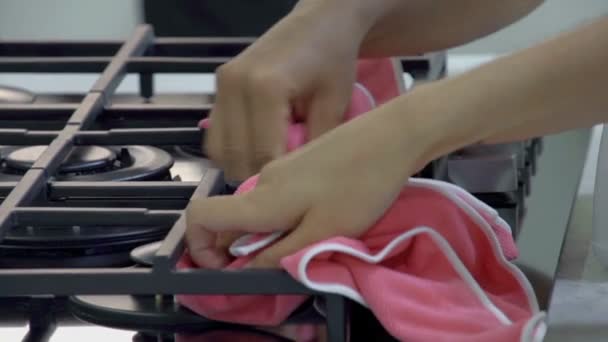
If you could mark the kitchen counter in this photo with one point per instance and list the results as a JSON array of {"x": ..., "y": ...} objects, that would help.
[{"x": 579, "y": 305}]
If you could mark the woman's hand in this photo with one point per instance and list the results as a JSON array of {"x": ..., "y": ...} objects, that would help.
[
  {"x": 339, "y": 184},
  {"x": 304, "y": 65}
]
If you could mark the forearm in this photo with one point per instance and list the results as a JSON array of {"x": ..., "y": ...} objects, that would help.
[
  {"x": 554, "y": 86},
  {"x": 406, "y": 27},
  {"x": 418, "y": 26}
]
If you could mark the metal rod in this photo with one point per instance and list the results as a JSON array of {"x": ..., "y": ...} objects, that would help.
[
  {"x": 23, "y": 137},
  {"x": 54, "y": 154},
  {"x": 146, "y": 85},
  {"x": 59, "y": 190},
  {"x": 58, "y": 48},
  {"x": 175, "y": 65},
  {"x": 6, "y": 188},
  {"x": 115, "y": 71},
  {"x": 153, "y": 109},
  {"x": 30, "y": 186},
  {"x": 143, "y": 136},
  {"x": 36, "y": 111},
  {"x": 53, "y": 64},
  {"x": 337, "y": 318},
  {"x": 98, "y": 216},
  {"x": 63, "y": 282},
  {"x": 42, "y": 323},
  {"x": 90, "y": 107}
]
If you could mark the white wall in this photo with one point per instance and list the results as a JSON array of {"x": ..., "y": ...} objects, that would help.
[
  {"x": 550, "y": 18},
  {"x": 69, "y": 19},
  {"x": 23, "y": 19}
]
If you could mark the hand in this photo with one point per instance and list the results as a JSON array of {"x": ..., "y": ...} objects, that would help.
[
  {"x": 339, "y": 184},
  {"x": 303, "y": 66}
]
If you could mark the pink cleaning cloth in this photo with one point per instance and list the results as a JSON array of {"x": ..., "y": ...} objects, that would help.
[{"x": 435, "y": 267}]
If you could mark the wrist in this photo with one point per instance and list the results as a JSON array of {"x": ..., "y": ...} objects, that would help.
[
  {"x": 430, "y": 123},
  {"x": 359, "y": 15}
]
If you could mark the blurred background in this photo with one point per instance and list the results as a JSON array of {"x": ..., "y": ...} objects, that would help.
[{"x": 23, "y": 19}]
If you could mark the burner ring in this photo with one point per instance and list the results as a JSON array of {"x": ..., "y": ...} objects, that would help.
[
  {"x": 82, "y": 158},
  {"x": 123, "y": 163}
]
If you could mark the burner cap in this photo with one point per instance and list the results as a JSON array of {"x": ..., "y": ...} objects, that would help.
[
  {"x": 82, "y": 158},
  {"x": 15, "y": 95},
  {"x": 144, "y": 255}
]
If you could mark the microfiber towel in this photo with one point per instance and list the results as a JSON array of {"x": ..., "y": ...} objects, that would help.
[{"x": 435, "y": 267}]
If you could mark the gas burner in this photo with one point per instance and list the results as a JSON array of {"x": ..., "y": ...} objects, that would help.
[
  {"x": 87, "y": 246},
  {"x": 194, "y": 150},
  {"x": 144, "y": 255},
  {"x": 15, "y": 95},
  {"x": 94, "y": 163},
  {"x": 162, "y": 314},
  {"x": 82, "y": 159}
]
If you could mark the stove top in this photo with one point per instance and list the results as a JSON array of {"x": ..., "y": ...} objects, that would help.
[{"x": 93, "y": 185}]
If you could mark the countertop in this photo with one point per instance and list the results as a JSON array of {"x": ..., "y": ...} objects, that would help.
[{"x": 578, "y": 308}]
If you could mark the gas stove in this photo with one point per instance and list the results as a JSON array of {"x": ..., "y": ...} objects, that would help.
[{"x": 93, "y": 186}]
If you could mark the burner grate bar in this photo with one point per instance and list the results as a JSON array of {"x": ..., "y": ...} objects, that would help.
[
  {"x": 58, "y": 48},
  {"x": 36, "y": 111},
  {"x": 142, "y": 281},
  {"x": 193, "y": 42},
  {"x": 32, "y": 184},
  {"x": 171, "y": 248},
  {"x": 6, "y": 188},
  {"x": 175, "y": 64},
  {"x": 94, "y": 216},
  {"x": 54, "y": 155},
  {"x": 53, "y": 64},
  {"x": 115, "y": 71},
  {"x": 155, "y": 108},
  {"x": 160, "y": 189},
  {"x": 88, "y": 110},
  {"x": 173, "y": 245},
  {"x": 141, "y": 136},
  {"x": 23, "y": 137},
  {"x": 155, "y": 114}
]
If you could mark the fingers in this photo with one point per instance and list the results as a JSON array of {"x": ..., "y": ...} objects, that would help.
[
  {"x": 214, "y": 223},
  {"x": 308, "y": 232},
  {"x": 202, "y": 248},
  {"x": 255, "y": 211},
  {"x": 326, "y": 111},
  {"x": 270, "y": 110},
  {"x": 229, "y": 138}
]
